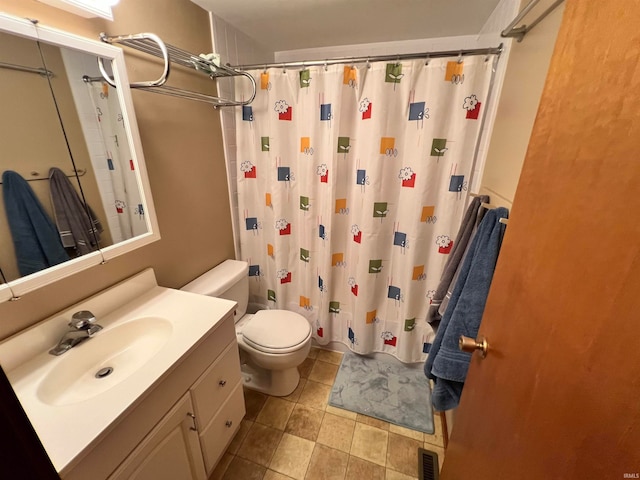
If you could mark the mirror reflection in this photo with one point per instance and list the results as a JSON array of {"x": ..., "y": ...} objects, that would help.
[
  {"x": 31, "y": 144},
  {"x": 106, "y": 145},
  {"x": 69, "y": 183}
]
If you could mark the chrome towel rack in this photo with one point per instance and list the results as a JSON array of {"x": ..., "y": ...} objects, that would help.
[
  {"x": 21, "y": 68},
  {"x": 153, "y": 45}
]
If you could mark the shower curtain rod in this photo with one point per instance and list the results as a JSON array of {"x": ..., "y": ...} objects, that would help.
[
  {"x": 520, "y": 32},
  {"x": 88, "y": 79},
  {"x": 376, "y": 58}
]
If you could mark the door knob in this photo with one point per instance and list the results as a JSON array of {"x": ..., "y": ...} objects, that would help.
[{"x": 469, "y": 345}]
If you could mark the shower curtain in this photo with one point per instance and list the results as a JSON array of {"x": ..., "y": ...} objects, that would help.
[
  {"x": 123, "y": 181},
  {"x": 351, "y": 184}
]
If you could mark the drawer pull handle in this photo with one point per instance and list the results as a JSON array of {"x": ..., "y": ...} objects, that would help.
[
  {"x": 229, "y": 423},
  {"x": 222, "y": 383},
  {"x": 193, "y": 418}
]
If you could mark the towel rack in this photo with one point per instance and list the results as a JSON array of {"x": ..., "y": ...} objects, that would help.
[
  {"x": 520, "y": 32},
  {"x": 153, "y": 45},
  {"x": 80, "y": 172},
  {"x": 21, "y": 68}
]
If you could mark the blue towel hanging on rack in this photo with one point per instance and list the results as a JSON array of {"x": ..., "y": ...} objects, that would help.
[{"x": 446, "y": 364}]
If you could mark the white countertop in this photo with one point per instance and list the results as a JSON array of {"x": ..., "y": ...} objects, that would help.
[{"x": 66, "y": 430}]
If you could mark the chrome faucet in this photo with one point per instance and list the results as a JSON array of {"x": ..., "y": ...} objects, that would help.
[{"x": 83, "y": 326}]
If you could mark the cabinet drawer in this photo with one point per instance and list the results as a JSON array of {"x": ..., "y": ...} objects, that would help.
[
  {"x": 216, "y": 383},
  {"x": 219, "y": 432}
]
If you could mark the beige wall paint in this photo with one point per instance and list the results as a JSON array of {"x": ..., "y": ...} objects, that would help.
[
  {"x": 183, "y": 151},
  {"x": 32, "y": 140},
  {"x": 526, "y": 73}
]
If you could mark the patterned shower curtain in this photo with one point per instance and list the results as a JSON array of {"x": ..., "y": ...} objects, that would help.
[
  {"x": 351, "y": 186},
  {"x": 123, "y": 180}
]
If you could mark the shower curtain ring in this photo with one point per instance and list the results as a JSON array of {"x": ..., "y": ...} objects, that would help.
[
  {"x": 368, "y": 64},
  {"x": 284, "y": 68},
  {"x": 265, "y": 68},
  {"x": 397, "y": 60},
  {"x": 460, "y": 57},
  {"x": 427, "y": 60},
  {"x": 326, "y": 66}
]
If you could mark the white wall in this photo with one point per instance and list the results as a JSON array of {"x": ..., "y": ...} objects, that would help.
[
  {"x": 235, "y": 48},
  {"x": 382, "y": 48},
  {"x": 526, "y": 73},
  {"x": 489, "y": 36}
]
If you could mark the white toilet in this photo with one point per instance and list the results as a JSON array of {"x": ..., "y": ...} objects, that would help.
[{"x": 272, "y": 342}]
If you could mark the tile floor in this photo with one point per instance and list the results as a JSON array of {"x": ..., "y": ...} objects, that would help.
[{"x": 302, "y": 437}]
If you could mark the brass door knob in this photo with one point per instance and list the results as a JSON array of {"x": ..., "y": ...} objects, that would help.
[{"x": 469, "y": 345}]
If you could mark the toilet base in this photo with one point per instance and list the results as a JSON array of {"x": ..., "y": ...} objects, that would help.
[{"x": 277, "y": 383}]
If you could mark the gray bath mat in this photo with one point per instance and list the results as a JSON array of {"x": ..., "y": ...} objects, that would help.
[{"x": 385, "y": 389}]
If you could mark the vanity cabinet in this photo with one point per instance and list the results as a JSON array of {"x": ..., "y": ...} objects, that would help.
[{"x": 183, "y": 426}]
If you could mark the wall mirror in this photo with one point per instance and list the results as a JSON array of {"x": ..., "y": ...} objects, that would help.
[{"x": 73, "y": 141}]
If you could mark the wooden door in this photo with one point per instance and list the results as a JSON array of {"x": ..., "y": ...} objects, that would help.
[{"x": 558, "y": 396}]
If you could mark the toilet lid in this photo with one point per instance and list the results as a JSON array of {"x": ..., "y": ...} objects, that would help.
[{"x": 274, "y": 331}]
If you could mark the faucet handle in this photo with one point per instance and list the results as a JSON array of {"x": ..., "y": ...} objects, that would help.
[{"x": 82, "y": 319}]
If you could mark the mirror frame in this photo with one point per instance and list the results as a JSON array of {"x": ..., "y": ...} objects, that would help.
[{"x": 25, "y": 28}]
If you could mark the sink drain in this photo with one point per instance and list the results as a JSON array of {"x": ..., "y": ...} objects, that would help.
[{"x": 104, "y": 372}]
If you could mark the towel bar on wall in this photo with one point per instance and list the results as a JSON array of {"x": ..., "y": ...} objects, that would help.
[
  {"x": 21, "y": 68},
  {"x": 38, "y": 176},
  {"x": 153, "y": 45}
]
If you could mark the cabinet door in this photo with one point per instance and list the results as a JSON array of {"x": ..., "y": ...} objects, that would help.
[{"x": 170, "y": 452}]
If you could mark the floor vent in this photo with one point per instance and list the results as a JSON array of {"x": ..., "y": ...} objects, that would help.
[{"x": 428, "y": 465}]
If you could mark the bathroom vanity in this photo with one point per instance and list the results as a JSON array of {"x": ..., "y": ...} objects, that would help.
[
  {"x": 172, "y": 403},
  {"x": 188, "y": 440}
]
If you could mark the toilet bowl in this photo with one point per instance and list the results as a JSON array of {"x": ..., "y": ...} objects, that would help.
[{"x": 272, "y": 342}]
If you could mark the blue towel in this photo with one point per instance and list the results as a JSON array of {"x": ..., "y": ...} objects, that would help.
[
  {"x": 35, "y": 237},
  {"x": 446, "y": 364}
]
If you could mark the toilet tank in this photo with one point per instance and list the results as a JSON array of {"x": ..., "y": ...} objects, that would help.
[{"x": 228, "y": 280}]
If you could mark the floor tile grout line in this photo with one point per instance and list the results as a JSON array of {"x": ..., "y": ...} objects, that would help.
[
  {"x": 274, "y": 454},
  {"x": 386, "y": 452}
]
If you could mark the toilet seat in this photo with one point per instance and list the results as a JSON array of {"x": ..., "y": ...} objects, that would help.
[{"x": 276, "y": 331}]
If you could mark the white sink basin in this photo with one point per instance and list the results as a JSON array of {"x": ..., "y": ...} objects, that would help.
[{"x": 124, "y": 349}]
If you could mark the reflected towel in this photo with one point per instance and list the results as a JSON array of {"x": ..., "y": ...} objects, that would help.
[
  {"x": 446, "y": 364},
  {"x": 78, "y": 226},
  {"x": 35, "y": 237}
]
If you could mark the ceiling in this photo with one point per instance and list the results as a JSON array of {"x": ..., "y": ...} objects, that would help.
[{"x": 294, "y": 24}]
